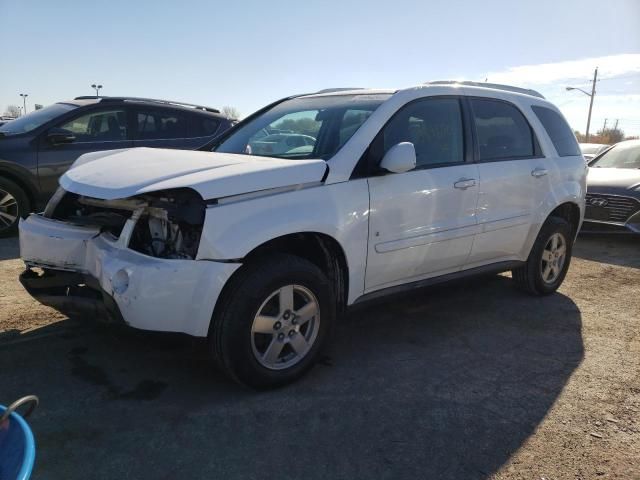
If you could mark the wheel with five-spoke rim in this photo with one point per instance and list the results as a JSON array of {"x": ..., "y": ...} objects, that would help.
[
  {"x": 272, "y": 321},
  {"x": 553, "y": 257},
  {"x": 285, "y": 327},
  {"x": 549, "y": 259},
  {"x": 13, "y": 205}
]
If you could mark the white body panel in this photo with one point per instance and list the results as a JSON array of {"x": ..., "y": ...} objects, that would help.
[
  {"x": 162, "y": 295},
  {"x": 340, "y": 211},
  {"x": 129, "y": 172},
  {"x": 420, "y": 224},
  {"x": 393, "y": 229}
]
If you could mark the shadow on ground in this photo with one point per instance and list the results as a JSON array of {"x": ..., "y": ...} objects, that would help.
[
  {"x": 9, "y": 248},
  {"x": 446, "y": 383},
  {"x": 623, "y": 250}
]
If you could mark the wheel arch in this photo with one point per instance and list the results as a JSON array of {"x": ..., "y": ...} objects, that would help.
[
  {"x": 321, "y": 249},
  {"x": 569, "y": 211},
  {"x": 30, "y": 190}
]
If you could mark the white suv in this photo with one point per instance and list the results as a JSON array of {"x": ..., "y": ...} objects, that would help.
[{"x": 261, "y": 254}]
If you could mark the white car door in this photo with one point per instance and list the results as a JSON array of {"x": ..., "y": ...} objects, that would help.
[
  {"x": 422, "y": 222},
  {"x": 513, "y": 181}
]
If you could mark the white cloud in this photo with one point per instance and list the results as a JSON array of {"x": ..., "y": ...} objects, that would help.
[
  {"x": 582, "y": 70},
  {"x": 614, "y": 100}
]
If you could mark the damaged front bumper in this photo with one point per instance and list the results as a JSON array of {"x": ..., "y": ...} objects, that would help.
[{"x": 84, "y": 270}]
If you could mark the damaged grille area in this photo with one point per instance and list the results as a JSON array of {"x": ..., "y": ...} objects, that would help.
[{"x": 164, "y": 224}]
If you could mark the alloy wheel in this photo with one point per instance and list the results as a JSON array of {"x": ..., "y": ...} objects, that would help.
[
  {"x": 8, "y": 210},
  {"x": 285, "y": 327},
  {"x": 554, "y": 256}
]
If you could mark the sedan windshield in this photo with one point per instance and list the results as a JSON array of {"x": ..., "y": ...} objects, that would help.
[
  {"x": 622, "y": 155},
  {"x": 33, "y": 120},
  {"x": 304, "y": 127}
]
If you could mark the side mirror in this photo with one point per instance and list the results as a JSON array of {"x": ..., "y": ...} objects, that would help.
[
  {"x": 400, "y": 158},
  {"x": 57, "y": 136}
]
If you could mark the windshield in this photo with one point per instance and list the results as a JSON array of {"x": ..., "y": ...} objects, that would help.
[
  {"x": 305, "y": 127},
  {"x": 33, "y": 120},
  {"x": 620, "y": 156},
  {"x": 591, "y": 148}
]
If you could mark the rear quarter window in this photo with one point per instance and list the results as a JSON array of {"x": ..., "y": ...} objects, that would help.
[
  {"x": 204, "y": 126},
  {"x": 559, "y": 132}
]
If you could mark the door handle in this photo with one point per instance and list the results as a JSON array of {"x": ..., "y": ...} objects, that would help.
[
  {"x": 465, "y": 183},
  {"x": 539, "y": 172}
]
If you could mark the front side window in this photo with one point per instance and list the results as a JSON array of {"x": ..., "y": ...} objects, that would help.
[
  {"x": 622, "y": 155},
  {"x": 158, "y": 125},
  {"x": 303, "y": 127},
  {"x": 35, "y": 119},
  {"x": 99, "y": 126},
  {"x": 502, "y": 131},
  {"x": 434, "y": 126},
  {"x": 559, "y": 132}
]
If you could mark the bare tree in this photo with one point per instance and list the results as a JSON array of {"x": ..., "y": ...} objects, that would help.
[
  {"x": 231, "y": 112},
  {"x": 12, "y": 111}
]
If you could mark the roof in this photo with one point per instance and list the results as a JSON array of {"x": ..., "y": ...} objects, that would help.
[
  {"x": 452, "y": 83},
  {"x": 489, "y": 86},
  {"x": 88, "y": 100},
  {"x": 350, "y": 91}
]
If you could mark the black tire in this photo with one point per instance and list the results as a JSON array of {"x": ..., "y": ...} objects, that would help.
[
  {"x": 230, "y": 334},
  {"x": 529, "y": 277},
  {"x": 22, "y": 207}
]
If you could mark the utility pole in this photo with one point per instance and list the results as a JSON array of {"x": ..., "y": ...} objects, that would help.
[
  {"x": 593, "y": 94},
  {"x": 604, "y": 127},
  {"x": 616, "y": 127}
]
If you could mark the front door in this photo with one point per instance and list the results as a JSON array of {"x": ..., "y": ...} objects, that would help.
[
  {"x": 101, "y": 129},
  {"x": 422, "y": 223}
]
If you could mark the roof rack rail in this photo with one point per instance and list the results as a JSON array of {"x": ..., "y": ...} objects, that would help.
[
  {"x": 497, "y": 86},
  {"x": 149, "y": 100},
  {"x": 334, "y": 90}
]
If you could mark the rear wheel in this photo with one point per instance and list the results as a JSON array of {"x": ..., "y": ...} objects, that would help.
[
  {"x": 549, "y": 260},
  {"x": 273, "y": 321},
  {"x": 14, "y": 204}
]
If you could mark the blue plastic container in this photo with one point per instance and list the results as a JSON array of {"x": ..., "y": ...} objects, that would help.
[{"x": 17, "y": 447}]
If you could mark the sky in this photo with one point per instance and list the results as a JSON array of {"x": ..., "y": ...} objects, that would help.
[{"x": 248, "y": 53}]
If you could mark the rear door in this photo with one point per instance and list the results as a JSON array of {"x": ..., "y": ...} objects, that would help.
[
  {"x": 159, "y": 127},
  {"x": 94, "y": 130},
  {"x": 513, "y": 180}
]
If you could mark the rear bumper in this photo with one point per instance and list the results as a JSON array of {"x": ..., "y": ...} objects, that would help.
[{"x": 89, "y": 272}]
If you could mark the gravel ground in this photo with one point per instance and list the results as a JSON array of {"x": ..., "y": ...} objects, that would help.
[{"x": 462, "y": 381}]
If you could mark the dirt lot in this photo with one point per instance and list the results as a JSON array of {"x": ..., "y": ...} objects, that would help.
[{"x": 464, "y": 381}]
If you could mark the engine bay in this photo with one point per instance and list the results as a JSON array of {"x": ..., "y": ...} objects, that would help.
[{"x": 164, "y": 224}]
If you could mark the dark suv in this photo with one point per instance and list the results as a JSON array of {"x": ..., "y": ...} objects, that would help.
[{"x": 39, "y": 147}]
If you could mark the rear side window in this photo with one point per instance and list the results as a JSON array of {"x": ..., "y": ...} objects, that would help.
[
  {"x": 156, "y": 125},
  {"x": 502, "y": 131},
  {"x": 559, "y": 132}
]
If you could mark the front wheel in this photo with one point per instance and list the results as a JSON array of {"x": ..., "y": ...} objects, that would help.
[
  {"x": 14, "y": 204},
  {"x": 549, "y": 260},
  {"x": 273, "y": 321}
]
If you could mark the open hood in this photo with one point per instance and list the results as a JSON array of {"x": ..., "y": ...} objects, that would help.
[
  {"x": 624, "y": 178},
  {"x": 124, "y": 173}
]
